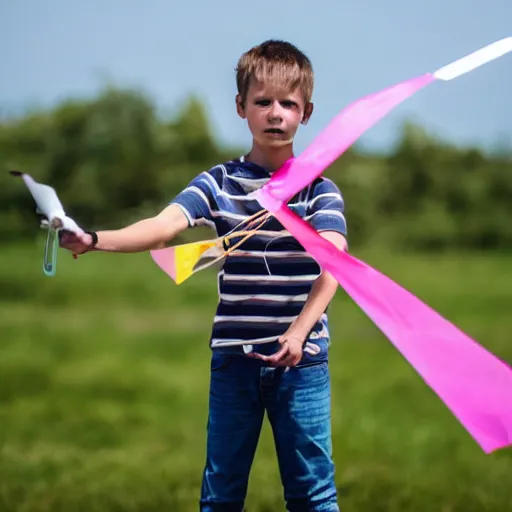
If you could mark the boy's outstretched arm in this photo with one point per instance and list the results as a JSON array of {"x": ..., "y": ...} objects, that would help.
[
  {"x": 146, "y": 234},
  {"x": 320, "y": 295}
]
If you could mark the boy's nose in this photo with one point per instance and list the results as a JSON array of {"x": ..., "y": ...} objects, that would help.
[{"x": 275, "y": 113}]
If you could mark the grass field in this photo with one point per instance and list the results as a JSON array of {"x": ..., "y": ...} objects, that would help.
[{"x": 104, "y": 385}]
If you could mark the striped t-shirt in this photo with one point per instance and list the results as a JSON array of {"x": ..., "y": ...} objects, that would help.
[{"x": 263, "y": 284}]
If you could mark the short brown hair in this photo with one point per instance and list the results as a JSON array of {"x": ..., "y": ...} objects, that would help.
[{"x": 275, "y": 60}]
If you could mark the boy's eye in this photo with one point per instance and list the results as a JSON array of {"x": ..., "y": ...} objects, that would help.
[{"x": 284, "y": 103}]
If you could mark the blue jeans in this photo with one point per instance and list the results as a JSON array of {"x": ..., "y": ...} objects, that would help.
[{"x": 297, "y": 402}]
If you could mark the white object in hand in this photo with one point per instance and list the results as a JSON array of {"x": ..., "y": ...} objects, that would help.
[{"x": 48, "y": 204}]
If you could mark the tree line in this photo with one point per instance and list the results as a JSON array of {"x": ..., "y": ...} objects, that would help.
[{"x": 114, "y": 158}]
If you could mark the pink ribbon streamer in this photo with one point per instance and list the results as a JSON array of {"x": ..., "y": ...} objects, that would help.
[
  {"x": 473, "y": 383},
  {"x": 337, "y": 137}
]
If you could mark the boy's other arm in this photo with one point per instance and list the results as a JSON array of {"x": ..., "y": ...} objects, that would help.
[
  {"x": 319, "y": 297},
  {"x": 151, "y": 233}
]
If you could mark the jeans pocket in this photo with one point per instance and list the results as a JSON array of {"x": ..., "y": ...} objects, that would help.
[{"x": 315, "y": 352}]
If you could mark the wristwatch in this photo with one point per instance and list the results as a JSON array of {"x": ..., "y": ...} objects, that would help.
[{"x": 94, "y": 236}]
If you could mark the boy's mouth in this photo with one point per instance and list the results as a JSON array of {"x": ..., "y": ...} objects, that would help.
[{"x": 274, "y": 130}]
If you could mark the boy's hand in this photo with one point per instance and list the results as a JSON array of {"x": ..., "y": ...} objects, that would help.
[
  {"x": 77, "y": 244},
  {"x": 289, "y": 354}
]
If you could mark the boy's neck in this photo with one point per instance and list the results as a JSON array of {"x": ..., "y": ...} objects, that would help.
[{"x": 270, "y": 159}]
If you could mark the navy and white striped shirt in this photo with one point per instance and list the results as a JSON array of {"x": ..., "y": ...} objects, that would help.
[{"x": 263, "y": 284}]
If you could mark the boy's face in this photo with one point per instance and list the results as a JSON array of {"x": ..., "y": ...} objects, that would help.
[{"x": 273, "y": 113}]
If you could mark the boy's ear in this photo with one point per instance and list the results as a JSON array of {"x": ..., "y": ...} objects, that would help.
[
  {"x": 308, "y": 110},
  {"x": 240, "y": 106}
]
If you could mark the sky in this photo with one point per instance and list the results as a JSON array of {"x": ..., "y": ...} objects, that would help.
[{"x": 56, "y": 49}]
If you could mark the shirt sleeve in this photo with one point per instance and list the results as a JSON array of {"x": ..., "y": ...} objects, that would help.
[
  {"x": 197, "y": 199},
  {"x": 325, "y": 210}
]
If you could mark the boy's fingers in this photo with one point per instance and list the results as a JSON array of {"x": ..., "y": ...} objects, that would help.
[
  {"x": 72, "y": 241},
  {"x": 280, "y": 355},
  {"x": 64, "y": 234},
  {"x": 283, "y": 357},
  {"x": 274, "y": 358},
  {"x": 291, "y": 359}
]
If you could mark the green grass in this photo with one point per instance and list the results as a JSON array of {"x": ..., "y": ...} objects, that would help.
[{"x": 104, "y": 385}]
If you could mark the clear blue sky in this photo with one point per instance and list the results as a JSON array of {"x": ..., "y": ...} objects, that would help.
[{"x": 52, "y": 49}]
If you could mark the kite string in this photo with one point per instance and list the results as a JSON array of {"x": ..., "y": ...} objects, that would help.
[
  {"x": 259, "y": 218},
  {"x": 249, "y": 221},
  {"x": 287, "y": 234},
  {"x": 246, "y": 234},
  {"x": 232, "y": 234},
  {"x": 266, "y": 247}
]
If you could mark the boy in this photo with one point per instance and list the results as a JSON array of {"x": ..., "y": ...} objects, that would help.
[{"x": 270, "y": 334}]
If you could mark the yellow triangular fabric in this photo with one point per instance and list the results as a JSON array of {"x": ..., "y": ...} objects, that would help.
[{"x": 186, "y": 257}]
